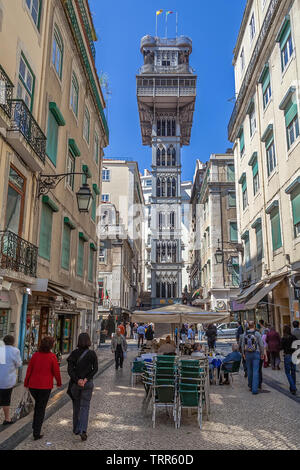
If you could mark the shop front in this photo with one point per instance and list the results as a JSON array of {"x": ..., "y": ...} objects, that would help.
[
  {"x": 40, "y": 322},
  {"x": 5, "y": 313},
  {"x": 66, "y": 332}
]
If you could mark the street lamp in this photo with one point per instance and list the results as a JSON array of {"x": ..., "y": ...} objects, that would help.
[
  {"x": 219, "y": 255},
  {"x": 84, "y": 195}
]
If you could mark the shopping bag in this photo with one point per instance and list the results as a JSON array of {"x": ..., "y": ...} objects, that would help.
[{"x": 25, "y": 406}]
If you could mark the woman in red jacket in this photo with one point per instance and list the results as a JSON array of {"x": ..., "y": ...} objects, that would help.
[
  {"x": 273, "y": 341},
  {"x": 42, "y": 367}
]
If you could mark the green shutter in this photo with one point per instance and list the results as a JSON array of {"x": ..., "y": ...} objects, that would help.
[
  {"x": 94, "y": 208},
  {"x": 255, "y": 168},
  {"x": 52, "y": 138},
  {"x": 65, "y": 253},
  {"x": 80, "y": 257},
  {"x": 233, "y": 232},
  {"x": 296, "y": 205},
  {"x": 269, "y": 141},
  {"x": 291, "y": 112},
  {"x": 242, "y": 141},
  {"x": 232, "y": 199},
  {"x": 91, "y": 265},
  {"x": 45, "y": 232},
  {"x": 244, "y": 185},
  {"x": 265, "y": 81},
  {"x": 259, "y": 242},
  {"x": 230, "y": 173},
  {"x": 276, "y": 230},
  {"x": 285, "y": 34}
]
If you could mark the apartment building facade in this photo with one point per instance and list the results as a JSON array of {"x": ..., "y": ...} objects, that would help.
[
  {"x": 265, "y": 130},
  {"x": 121, "y": 259},
  {"x": 214, "y": 274},
  {"x": 58, "y": 134}
]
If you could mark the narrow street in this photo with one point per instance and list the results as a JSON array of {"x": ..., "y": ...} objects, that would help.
[{"x": 238, "y": 419}]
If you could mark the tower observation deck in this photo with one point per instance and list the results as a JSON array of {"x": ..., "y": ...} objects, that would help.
[{"x": 166, "y": 94}]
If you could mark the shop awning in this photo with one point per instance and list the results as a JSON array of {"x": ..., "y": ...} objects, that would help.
[
  {"x": 252, "y": 303},
  {"x": 83, "y": 302},
  {"x": 179, "y": 313},
  {"x": 243, "y": 295},
  {"x": 62, "y": 292}
]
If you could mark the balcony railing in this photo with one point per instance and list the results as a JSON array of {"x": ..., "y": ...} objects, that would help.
[
  {"x": 23, "y": 121},
  {"x": 17, "y": 254},
  {"x": 6, "y": 92},
  {"x": 268, "y": 21},
  {"x": 165, "y": 91},
  {"x": 163, "y": 69}
]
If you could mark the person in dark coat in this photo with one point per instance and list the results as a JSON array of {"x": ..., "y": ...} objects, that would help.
[
  {"x": 211, "y": 334},
  {"x": 273, "y": 342},
  {"x": 289, "y": 366},
  {"x": 82, "y": 366}
]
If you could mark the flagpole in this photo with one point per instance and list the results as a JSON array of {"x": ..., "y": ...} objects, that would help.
[
  {"x": 156, "y": 25},
  {"x": 167, "y": 25},
  {"x": 176, "y": 24}
]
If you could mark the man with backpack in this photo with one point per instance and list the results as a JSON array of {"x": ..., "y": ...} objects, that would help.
[{"x": 253, "y": 352}]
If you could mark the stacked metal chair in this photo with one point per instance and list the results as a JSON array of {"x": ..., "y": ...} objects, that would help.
[{"x": 164, "y": 388}]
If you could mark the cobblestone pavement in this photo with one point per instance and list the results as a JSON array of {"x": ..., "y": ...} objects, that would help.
[{"x": 239, "y": 420}]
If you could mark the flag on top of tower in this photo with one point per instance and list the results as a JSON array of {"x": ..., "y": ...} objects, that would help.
[
  {"x": 169, "y": 12},
  {"x": 159, "y": 12}
]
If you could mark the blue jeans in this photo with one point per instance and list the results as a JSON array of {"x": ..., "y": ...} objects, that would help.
[
  {"x": 253, "y": 362},
  {"x": 81, "y": 406},
  {"x": 290, "y": 372}
]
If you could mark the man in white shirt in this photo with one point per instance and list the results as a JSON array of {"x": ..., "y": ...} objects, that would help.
[
  {"x": 8, "y": 374},
  {"x": 141, "y": 334}
]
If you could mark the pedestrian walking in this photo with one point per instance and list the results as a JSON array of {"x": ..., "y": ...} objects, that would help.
[
  {"x": 243, "y": 357},
  {"x": 183, "y": 333},
  {"x": 149, "y": 335},
  {"x": 134, "y": 330},
  {"x": 43, "y": 366},
  {"x": 211, "y": 334},
  {"x": 141, "y": 334},
  {"x": 267, "y": 359},
  {"x": 273, "y": 342},
  {"x": 290, "y": 368},
  {"x": 296, "y": 329},
  {"x": 119, "y": 347},
  {"x": 8, "y": 376},
  {"x": 191, "y": 334},
  {"x": 82, "y": 366},
  {"x": 128, "y": 331},
  {"x": 253, "y": 352},
  {"x": 122, "y": 329},
  {"x": 239, "y": 332}
]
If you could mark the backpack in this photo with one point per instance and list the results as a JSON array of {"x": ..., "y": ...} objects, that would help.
[{"x": 250, "y": 342}]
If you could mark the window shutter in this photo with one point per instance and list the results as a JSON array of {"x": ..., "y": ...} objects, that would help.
[
  {"x": 244, "y": 185},
  {"x": 291, "y": 112},
  {"x": 255, "y": 168},
  {"x": 296, "y": 206},
  {"x": 230, "y": 173},
  {"x": 91, "y": 265},
  {"x": 269, "y": 141},
  {"x": 45, "y": 232},
  {"x": 52, "y": 137},
  {"x": 266, "y": 81},
  {"x": 259, "y": 242},
  {"x": 285, "y": 34},
  {"x": 233, "y": 232},
  {"x": 276, "y": 230},
  {"x": 65, "y": 255},
  {"x": 232, "y": 199},
  {"x": 94, "y": 208},
  {"x": 80, "y": 257},
  {"x": 242, "y": 141}
]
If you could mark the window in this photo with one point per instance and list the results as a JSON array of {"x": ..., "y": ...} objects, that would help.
[
  {"x": 105, "y": 175},
  {"x": 259, "y": 242},
  {"x": 286, "y": 45},
  {"x": 242, "y": 141},
  {"x": 231, "y": 199},
  {"x": 247, "y": 249},
  {"x": 252, "y": 118},
  {"x": 86, "y": 125},
  {"x": 34, "y": 7},
  {"x": 48, "y": 207},
  {"x": 276, "y": 229},
  {"x": 148, "y": 183},
  {"x": 245, "y": 198},
  {"x": 243, "y": 182},
  {"x": 74, "y": 94},
  {"x": 70, "y": 169},
  {"x": 57, "y": 51},
  {"x": 230, "y": 173},
  {"x": 233, "y": 231},
  {"x": 80, "y": 257},
  {"x": 295, "y": 199},
  {"x": 265, "y": 81},
  {"x": 242, "y": 59},
  {"x": 96, "y": 147},
  {"x": 252, "y": 27},
  {"x": 293, "y": 131},
  {"x": 55, "y": 119},
  {"x": 101, "y": 291},
  {"x": 102, "y": 254},
  {"x": 271, "y": 156},
  {"x": 25, "y": 88},
  {"x": 105, "y": 197},
  {"x": 255, "y": 177},
  {"x": 15, "y": 201},
  {"x": 166, "y": 127},
  {"x": 65, "y": 250}
]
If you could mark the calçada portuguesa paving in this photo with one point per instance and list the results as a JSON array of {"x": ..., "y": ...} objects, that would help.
[{"x": 238, "y": 419}]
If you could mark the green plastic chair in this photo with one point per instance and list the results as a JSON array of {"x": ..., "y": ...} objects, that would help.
[
  {"x": 234, "y": 370},
  {"x": 137, "y": 370},
  {"x": 191, "y": 396}
]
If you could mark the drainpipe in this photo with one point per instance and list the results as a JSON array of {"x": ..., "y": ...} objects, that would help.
[{"x": 22, "y": 332}]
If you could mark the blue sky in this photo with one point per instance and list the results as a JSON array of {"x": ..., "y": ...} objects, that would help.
[{"x": 213, "y": 26}]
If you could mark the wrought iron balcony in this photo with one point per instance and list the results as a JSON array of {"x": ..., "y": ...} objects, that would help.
[
  {"x": 23, "y": 122},
  {"x": 265, "y": 29},
  {"x": 17, "y": 254},
  {"x": 6, "y": 92}
]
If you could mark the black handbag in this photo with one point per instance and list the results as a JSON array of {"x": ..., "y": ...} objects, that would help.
[{"x": 69, "y": 392}]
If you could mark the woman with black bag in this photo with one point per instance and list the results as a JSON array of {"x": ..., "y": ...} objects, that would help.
[{"x": 82, "y": 366}]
